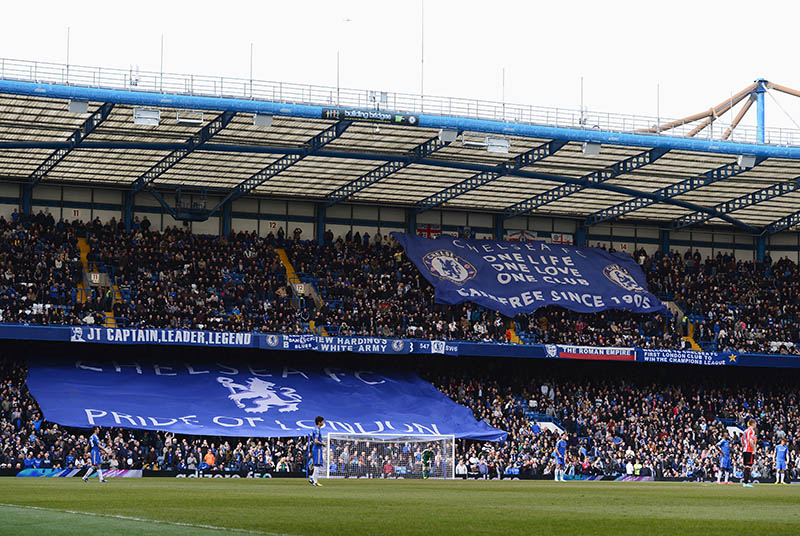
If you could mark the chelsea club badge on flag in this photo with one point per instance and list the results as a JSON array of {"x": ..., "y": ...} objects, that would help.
[{"x": 520, "y": 277}]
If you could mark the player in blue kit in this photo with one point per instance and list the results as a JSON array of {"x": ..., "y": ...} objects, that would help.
[
  {"x": 781, "y": 455},
  {"x": 560, "y": 454},
  {"x": 96, "y": 457},
  {"x": 314, "y": 451},
  {"x": 724, "y": 447}
]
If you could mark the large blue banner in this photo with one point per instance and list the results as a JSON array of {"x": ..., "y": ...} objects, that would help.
[
  {"x": 240, "y": 399},
  {"x": 520, "y": 277}
]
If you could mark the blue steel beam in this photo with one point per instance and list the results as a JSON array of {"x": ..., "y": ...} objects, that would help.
[
  {"x": 144, "y": 98},
  {"x": 747, "y": 200},
  {"x": 206, "y": 133},
  {"x": 311, "y": 147},
  {"x": 75, "y": 140},
  {"x": 476, "y": 181},
  {"x": 479, "y": 168},
  {"x": 596, "y": 177},
  {"x": 420, "y": 151},
  {"x": 782, "y": 224},
  {"x": 710, "y": 177}
]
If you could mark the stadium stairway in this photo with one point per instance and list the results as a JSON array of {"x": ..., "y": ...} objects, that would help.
[
  {"x": 83, "y": 288},
  {"x": 110, "y": 321},
  {"x": 675, "y": 309},
  {"x": 690, "y": 339},
  {"x": 294, "y": 280},
  {"x": 513, "y": 329}
]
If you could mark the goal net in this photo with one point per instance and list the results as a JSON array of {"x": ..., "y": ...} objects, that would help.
[{"x": 389, "y": 456}]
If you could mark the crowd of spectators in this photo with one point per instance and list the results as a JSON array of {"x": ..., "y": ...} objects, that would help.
[
  {"x": 652, "y": 423},
  {"x": 746, "y": 306},
  {"x": 177, "y": 279},
  {"x": 39, "y": 270},
  {"x": 645, "y": 425}
]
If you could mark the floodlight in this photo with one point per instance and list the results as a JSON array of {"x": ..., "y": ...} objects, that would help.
[
  {"x": 262, "y": 120},
  {"x": 78, "y": 107},
  {"x": 447, "y": 135},
  {"x": 591, "y": 148},
  {"x": 473, "y": 143},
  {"x": 746, "y": 160},
  {"x": 146, "y": 117},
  {"x": 189, "y": 118},
  {"x": 497, "y": 145}
]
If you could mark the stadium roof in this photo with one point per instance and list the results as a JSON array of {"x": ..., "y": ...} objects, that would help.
[{"x": 329, "y": 145}]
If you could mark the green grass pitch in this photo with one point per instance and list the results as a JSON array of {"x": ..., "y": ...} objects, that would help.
[{"x": 56, "y": 506}]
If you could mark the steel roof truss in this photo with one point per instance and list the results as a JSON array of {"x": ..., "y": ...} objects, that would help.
[
  {"x": 88, "y": 126},
  {"x": 710, "y": 177},
  {"x": 782, "y": 224},
  {"x": 753, "y": 198},
  {"x": 312, "y": 146},
  {"x": 476, "y": 181},
  {"x": 423, "y": 150},
  {"x": 637, "y": 161},
  {"x": 169, "y": 161}
]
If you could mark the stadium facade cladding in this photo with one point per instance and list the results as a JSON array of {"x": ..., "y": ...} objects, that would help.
[{"x": 329, "y": 146}]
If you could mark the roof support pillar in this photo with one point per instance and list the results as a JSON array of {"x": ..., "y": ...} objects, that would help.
[
  {"x": 225, "y": 219},
  {"x": 663, "y": 240},
  {"x": 761, "y": 248},
  {"x": 319, "y": 230},
  {"x": 499, "y": 226},
  {"x": 581, "y": 236},
  {"x": 760, "y": 91},
  {"x": 411, "y": 221},
  {"x": 27, "y": 198},
  {"x": 127, "y": 210}
]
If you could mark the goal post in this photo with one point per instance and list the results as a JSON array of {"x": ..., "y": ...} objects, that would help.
[{"x": 388, "y": 455}]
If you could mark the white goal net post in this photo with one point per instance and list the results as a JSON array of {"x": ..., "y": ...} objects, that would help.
[{"x": 389, "y": 456}]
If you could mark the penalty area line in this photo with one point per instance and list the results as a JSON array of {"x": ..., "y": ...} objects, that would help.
[{"x": 142, "y": 520}]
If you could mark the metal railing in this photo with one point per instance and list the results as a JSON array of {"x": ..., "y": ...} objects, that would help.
[{"x": 241, "y": 88}]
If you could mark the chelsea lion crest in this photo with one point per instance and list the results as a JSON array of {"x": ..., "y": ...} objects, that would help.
[
  {"x": 445, "y": 264},
  {"x": 272, "y": 340},
  {"x": 263, "y": 394},
  {"x": 620, "y": 276}
]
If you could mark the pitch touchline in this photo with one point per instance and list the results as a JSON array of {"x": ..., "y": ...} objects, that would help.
[{"x": 143, "y": 520}]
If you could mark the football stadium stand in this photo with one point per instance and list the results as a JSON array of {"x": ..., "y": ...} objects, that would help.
[
  {"x": 651, "y": 423},
  {"x": 191, "y": 206}
]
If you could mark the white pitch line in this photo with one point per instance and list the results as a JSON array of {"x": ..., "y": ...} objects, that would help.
[{"x": 143, "y": 520}]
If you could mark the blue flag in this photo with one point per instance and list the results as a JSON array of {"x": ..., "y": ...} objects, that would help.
[
  {"x": 520, "y": 277},
  {"x": 237, "y": 399}
]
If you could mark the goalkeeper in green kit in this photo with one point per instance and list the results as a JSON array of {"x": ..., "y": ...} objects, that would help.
[{"x": 427, "y": 460}]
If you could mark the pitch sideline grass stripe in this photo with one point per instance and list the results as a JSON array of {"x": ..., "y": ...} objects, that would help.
[{"x": 144, "y": 520}]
